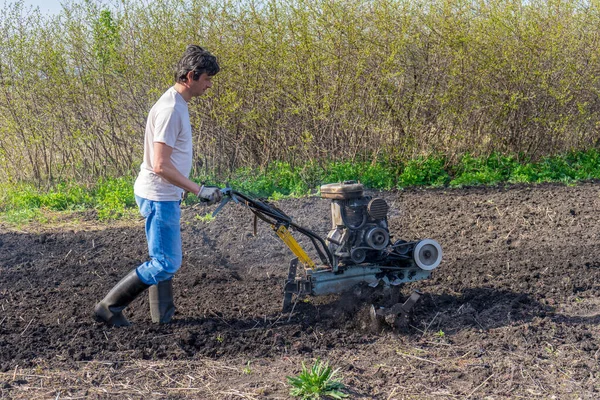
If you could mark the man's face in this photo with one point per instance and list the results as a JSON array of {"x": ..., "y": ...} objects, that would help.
[{"x": 198, "y": 87}]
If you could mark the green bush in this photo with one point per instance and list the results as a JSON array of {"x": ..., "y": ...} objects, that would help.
[
  {"x": 424, "y": 172},
  {"x": 482, "y": 171},
  {"x": 66, "y": 196},
  {"x": 524, "y": 174},
  {"x": 112, "y": 197},
  {"x": 19, "y": 197}
]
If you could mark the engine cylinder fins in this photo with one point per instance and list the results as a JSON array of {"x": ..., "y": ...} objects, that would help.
[
  {"x": 377, "y": 238},
  {"x": 427, "y": 254},
  {"x": 378, "y": 208},
  {"x": 342, "y": 191}
]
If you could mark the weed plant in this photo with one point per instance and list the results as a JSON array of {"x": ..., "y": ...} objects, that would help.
[{"x": 317, "y": 382}]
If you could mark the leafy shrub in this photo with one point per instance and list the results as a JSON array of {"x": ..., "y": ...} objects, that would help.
[
  {"x": 19, "y": 197},
  {"x": 524, "y": 174},
  {"x": 66, "y": 196},
  {"x": 112, "y": 197},
  {"x": 482, "y": 171},
  {"x": 424, "y": 171}
]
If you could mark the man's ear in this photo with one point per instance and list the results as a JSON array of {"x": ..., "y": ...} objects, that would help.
[{"x": 190, "y": 76}]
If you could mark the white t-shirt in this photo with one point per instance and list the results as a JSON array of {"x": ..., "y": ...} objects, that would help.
[{"x": 169, "y": 123}]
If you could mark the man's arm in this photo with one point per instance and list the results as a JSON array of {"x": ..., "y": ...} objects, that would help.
[{"x": 163, "y": 167}]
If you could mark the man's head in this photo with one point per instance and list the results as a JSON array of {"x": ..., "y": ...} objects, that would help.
[{"x": 195, "y": 70}]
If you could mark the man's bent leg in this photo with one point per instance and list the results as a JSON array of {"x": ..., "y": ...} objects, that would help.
[
  {"x": 164, "y": 242},
  {"x": 110, "y": 309}
]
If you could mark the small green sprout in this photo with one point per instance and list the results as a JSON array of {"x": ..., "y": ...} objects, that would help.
[
  {"x": 275, "y": 196},
  {"x": 206, "y": 218},
  {"x": 551, "y": 349},
  {"x": 247, "y": 370}
]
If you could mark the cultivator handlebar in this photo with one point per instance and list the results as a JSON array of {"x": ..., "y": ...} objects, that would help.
[{"x": 280, "y": 222}]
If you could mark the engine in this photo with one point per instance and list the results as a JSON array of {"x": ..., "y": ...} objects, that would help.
[{"x": 360, "y": 232}]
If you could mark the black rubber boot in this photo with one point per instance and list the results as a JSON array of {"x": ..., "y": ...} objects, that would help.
[
  {"x": 110, "y": 309},
  {"x": 161, "y": 302}
]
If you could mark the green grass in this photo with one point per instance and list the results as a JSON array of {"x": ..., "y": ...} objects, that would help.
[
  {"x": 317, "y": 382},
  {"x": 24, "y": 202},
  {"x": 495, "y": 169},
  {"x": 112, "y": 198}
]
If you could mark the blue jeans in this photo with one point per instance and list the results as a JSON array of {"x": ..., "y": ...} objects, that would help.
[{"x": 164, "y": 240}]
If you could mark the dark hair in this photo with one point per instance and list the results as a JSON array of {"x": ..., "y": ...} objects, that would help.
[{"x": 196, "y": 59}]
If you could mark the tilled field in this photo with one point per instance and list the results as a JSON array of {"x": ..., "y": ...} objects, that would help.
[{"x": 513, "y": 310}]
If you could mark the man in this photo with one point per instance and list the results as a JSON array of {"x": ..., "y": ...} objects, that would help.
[{"x": 162, "y": 180}]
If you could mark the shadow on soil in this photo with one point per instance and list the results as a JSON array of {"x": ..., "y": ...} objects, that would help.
[{"x": 479, "y": 308}]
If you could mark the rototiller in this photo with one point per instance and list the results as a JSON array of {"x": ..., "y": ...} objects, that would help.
[{"x": 357, "y": 249}]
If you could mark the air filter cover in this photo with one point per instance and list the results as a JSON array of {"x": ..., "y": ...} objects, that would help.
[{"x": 342, "y": 191}]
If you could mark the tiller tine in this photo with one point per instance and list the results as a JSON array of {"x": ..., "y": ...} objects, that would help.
[
  {"x": 397, "y": 315},
  {"x": 290, "y": 285},
  {"x": 299, "y": 287}
]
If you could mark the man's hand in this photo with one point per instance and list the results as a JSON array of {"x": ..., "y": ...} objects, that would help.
[{"x": 210, "y": 194}]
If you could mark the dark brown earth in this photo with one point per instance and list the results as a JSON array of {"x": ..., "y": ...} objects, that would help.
[{"x": 513, "y": 310}]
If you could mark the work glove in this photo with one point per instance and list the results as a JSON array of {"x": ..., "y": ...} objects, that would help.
[{"x": 210, "y": 194}]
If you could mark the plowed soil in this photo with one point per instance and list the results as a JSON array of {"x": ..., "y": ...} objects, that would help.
[{"x": 512, "y": 311}]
